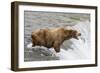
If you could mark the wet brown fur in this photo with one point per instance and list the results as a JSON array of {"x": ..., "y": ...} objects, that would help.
[{"x": 53, "y": 37}]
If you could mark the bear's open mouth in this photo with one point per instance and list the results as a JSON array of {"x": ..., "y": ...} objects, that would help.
[{"x": 77, "y": 36}]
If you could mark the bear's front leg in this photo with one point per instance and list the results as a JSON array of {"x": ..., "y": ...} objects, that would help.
[{"x": 56, "y": 46}]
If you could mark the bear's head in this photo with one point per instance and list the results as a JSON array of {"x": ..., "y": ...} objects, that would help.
[{"x": 72, "y": 34}]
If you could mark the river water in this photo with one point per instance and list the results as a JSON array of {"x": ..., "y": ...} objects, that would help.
[{"x": 70, "y": 49}]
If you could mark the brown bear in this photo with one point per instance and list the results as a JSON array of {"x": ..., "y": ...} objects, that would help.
[{"x": 53, "y": 38}]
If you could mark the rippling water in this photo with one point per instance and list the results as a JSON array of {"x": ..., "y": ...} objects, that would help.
[{"x": 71, "y": 49}]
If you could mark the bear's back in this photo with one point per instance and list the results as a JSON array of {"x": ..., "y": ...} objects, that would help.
[{"x": 46, "y": 37}]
